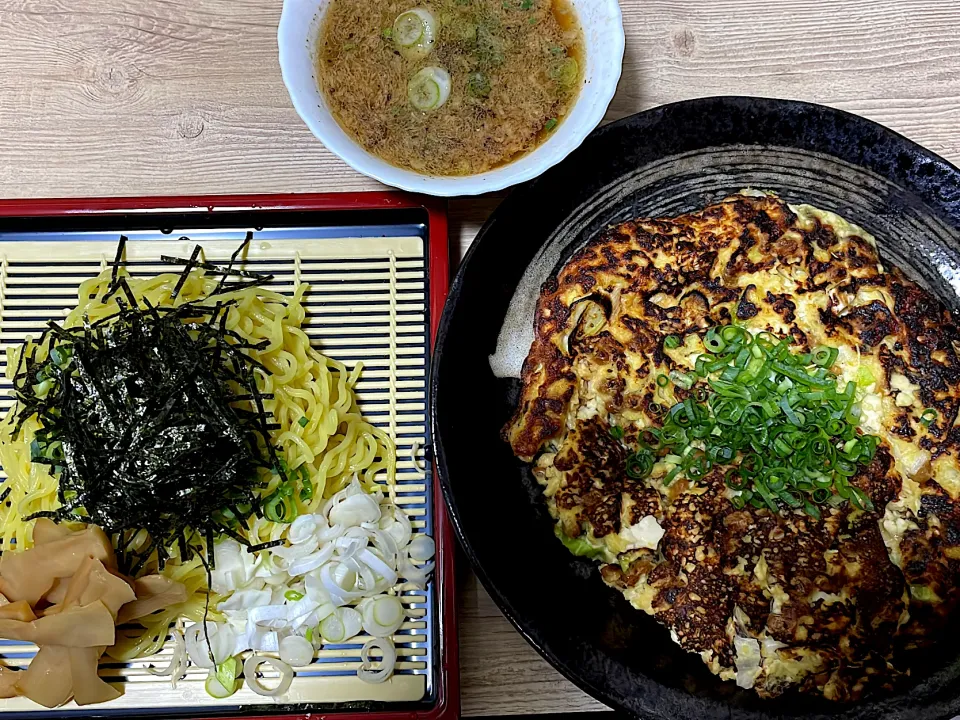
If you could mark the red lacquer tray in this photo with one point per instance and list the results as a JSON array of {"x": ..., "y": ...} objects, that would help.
[{"x": 379, "y": 273}]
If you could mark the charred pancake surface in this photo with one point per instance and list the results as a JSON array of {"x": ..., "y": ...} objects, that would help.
[{"x": 772, "y": 600}]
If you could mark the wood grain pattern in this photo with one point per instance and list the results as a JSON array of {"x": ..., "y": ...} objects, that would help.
[
  {"x": 500, "y": 675},
  {"x": 124, "y": 97},
  {"x": 154, "y": 97}
]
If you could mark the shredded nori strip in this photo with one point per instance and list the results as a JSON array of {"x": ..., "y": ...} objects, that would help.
[
  {"x": 233, "y": 259},
  {"x": 264, "y": 546},
  {"x": 116, "y": 267},
  {"x": 187, "y": 269},
  {"x": 140, "y": 424}
]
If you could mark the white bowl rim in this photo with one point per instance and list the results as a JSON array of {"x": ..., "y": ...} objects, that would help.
[{"x": 452, "y": 186}]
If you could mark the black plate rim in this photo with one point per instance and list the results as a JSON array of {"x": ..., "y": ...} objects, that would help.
[{"x": 516, "y": 198}]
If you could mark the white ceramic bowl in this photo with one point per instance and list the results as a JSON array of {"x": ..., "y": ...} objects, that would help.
[{"x": 603, "y": 34}]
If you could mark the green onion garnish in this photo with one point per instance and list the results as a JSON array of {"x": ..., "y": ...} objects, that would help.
[
  {"x": 276, "y": 508},
  {"x": 293, "y": 595},
  {"x": 824, "y": 356},
  {"x": 682, "y": 380},
  {"x": 303, "y": 421},
  {"x": 616, "y": 432},
  {"x": 225, "y": 675},
  {"x": 306, "y": 484},
  {"x": 928, "y": 417},
  {"x": 714, "y": 342},
  {"x": 640, "y": 464},
  {"x": 776, "y": 418}
]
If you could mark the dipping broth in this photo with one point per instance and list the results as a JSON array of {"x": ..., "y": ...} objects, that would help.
[{"x": 450, "y": 87}]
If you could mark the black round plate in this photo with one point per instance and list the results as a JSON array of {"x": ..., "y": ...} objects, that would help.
[{"x": 666, "y": 161}]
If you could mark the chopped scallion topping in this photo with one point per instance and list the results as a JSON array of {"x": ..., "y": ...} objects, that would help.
[
  {"x": 306, "y": 484},
  {"x": 640, "y": 463},
  {"x": 825, "y": 356},
  {"x": 777, "y": 418}
]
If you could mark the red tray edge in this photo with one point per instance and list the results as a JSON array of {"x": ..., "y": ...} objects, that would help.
[{"x": 447, "y": 706}]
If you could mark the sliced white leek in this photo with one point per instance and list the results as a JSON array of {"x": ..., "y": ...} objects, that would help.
[
  {"x": 382, "y": 616},
  {"x": 215, "y": 689},
  {"x": 429, "y": 89},
  {"x": 342, "y": 625},
  {"x": 387, "y": 663},
  {"x": 331, "y": 629},
  {"x": 252, "y": 665},
  {"x": 415, "y": 575},
  {"x": 415, "y": 33},
  {"x": 296, "y": 651},
  {"x": 351, "y": 551},
  {"x": 222, "y": 681},
  {"x": 222, "y": 641},
  {"x": 422, "y": 548},
  {"x": 354, "y": 510},
  {"x": 395, "y": 523}
]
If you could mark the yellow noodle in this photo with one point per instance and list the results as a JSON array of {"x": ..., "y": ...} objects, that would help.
[
  {"x": 335, "y": 443},
  {"x": 304, "y": 456}
]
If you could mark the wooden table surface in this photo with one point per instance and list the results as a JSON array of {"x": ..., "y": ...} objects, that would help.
[{"x": 160, "y": 97}]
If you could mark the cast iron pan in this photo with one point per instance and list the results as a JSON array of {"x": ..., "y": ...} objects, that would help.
[{"x": 666, "y": 161}]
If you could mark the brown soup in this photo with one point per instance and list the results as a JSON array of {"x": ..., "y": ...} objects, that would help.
[{"x": 450, "y": 87}]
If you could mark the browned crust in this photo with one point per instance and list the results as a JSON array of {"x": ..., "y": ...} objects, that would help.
[
  {"x": 699, "y": 259},
  {"x": 655, "y": 278}
]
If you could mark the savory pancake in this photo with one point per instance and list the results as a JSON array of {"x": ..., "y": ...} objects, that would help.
[{"x": 824, "y": 585}]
